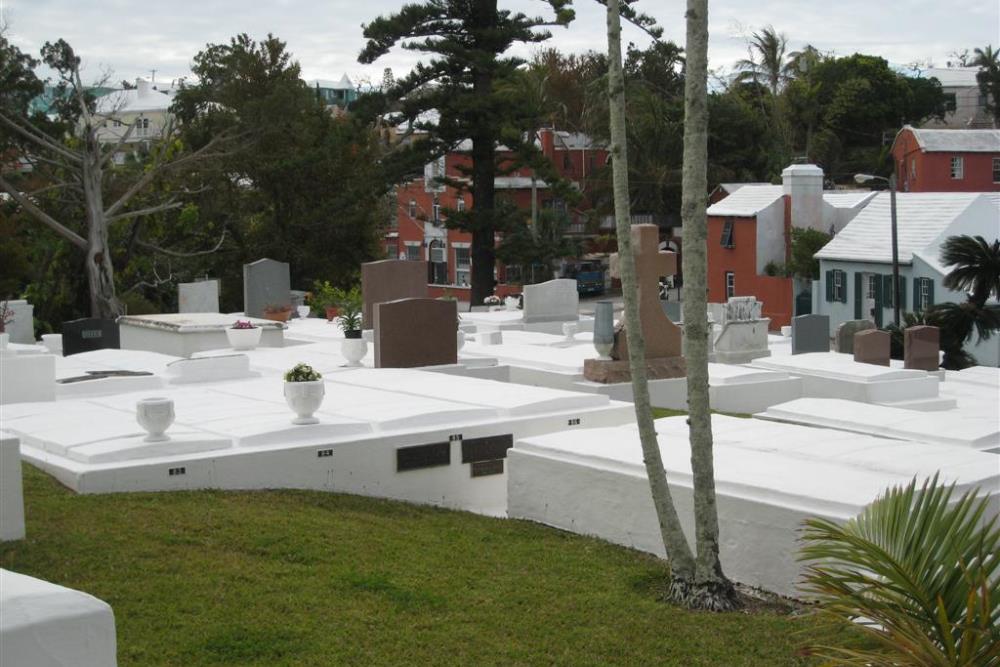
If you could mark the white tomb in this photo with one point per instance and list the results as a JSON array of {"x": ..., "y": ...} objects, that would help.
[
  {"x": 27, "y": 377},
  {"x": 45, "y": 625},
  {"x": 11, "y": 491},
  {"x": 183, "y": 334},
  {"x": 769, "y": 478}
]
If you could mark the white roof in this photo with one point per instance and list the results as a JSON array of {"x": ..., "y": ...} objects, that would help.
[
  {"x": 952, "y": 77},
  {"x": 848, "y": 199},
  {"x": 965, "y": 141},
  {"x": 344, "y": 83},
  {"x": 747, "y": 201},
  {"x": 134, "y": 101},
  {"x": 922, "y": 218}
]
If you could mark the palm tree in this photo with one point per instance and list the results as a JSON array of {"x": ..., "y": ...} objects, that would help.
[
  {"x": 988, "y": 76},
  {"x": 767, "y": 64},
  {"x": 976, "y": 272},
  {"x": 917, "y": 573}
]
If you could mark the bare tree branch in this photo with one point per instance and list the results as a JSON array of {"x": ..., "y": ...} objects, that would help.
[
  {"x": 37, "y": 136},
  {"x": 175, "y": 253},
  {"x": 121, "y": 142},
  {"x": 166, "y": 206},
  {"x": 42, "y": 216}
]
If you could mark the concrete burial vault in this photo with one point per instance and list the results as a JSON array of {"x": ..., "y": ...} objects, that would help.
[{"x": 395, "y": 433}]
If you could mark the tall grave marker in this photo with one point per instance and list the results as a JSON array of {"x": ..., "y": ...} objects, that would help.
[
  {"x": 198, "y": 297},
  {"x": 265, "y": 282},
  {"x": 89, "y": 334},
  {"x": 390, "y": 280},
  {"x": 416, "y": 332},
  {"x": 810, "y": 333}
]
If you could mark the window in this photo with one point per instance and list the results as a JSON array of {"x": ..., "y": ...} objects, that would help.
[
  {"x": 118, "y": 123},
  {"x": 950, "y": 103},
  {"x": 957, "y": 168},
  {"x": 727, "y": 234},
  {"x": 413, "y": 253},
  {"x": 924, "y": 293},
  {"x": 730, "y": 284},
  {"x": 462, "y": 266},
  {"x": 436, "y": 208},
  {"x": 996, "y": 170},
  {"x": 913, "y": 168},
  {"x": 835, "y": 286},
  {"x": 460, "y": 204},
  {"x": 870, "y": 287},
  {"x": 412, "y": 209}
]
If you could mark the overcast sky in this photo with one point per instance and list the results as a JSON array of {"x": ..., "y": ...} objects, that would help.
[{"x": 131, "y": 38}]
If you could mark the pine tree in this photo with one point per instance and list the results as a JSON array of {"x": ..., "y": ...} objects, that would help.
[{"x": 467, "y": 41}]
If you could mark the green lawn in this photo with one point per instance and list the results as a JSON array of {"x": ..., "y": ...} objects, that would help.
[{"x": 308, "y": 578}]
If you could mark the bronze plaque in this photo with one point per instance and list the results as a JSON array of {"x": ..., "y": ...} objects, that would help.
[
  {"x": 484, "y": 468},
  {"x": 486, "y": 449},
  {"x": 423, "y": 456}
]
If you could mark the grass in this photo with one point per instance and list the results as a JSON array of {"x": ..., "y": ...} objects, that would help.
[
  {"x": 310, "y": 578},
  {"x": 659, "y": 413}
]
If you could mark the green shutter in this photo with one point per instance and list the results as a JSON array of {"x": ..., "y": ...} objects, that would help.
[
  {"x": 880, "y": 282},
  {"x": 859, "y": 293},
  {"x": 930, "y": 291},
  {"x": 887, "y": 291},
  {"x": 829, "y": 286},
  {"x": 902, "y": 293},
  {"x": 916, "y": 295},
  {"x": 843, "y": 286}
]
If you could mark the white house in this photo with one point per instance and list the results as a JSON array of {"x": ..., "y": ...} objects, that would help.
[
  {"x": 144, "y": 108},
  {"x": 856, "y": 266},
  {"x": 965, "y": 104}
]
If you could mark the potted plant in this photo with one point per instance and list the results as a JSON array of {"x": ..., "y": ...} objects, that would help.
[
  {"x": 354, "y": 347},
  {"x": 243, "y": 335},
  {"x": 324, "y": 299},
  {"x": 277, "y": 312},
  {"x": 304, "y": 392}
]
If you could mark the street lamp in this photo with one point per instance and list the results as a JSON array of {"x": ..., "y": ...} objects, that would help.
[{"x": 866, "y": 178}]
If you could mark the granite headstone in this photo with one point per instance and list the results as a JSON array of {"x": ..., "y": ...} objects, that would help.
[
  {"x": 844, "y": 338},
  {"x": 89, "y": 334},
  {"x": 198, "y": 297},
  {"x": 390, "y": 280},
  {"x": 265, "y": 282},
  {"x": 922, "y": 348},
  {"x": 416, "y": 332},
  {"x": 810, "y": 333},
  {"x": 872, "y": 347}
]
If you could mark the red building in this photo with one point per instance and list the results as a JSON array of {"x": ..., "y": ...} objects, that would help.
[
  {"x": 947, "y": 160},
  {"x": 749, "y": 236},
  {"x": 422, "y": 204}
]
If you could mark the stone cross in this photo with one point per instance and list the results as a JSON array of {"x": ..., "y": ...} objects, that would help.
[{"x": 662, "y": 337}]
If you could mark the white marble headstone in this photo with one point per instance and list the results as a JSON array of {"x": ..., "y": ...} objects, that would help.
[
  {"x": 22, "y": 328},
  {"x": 198, "y": 297},
  {"x": 552, "y": 301}
]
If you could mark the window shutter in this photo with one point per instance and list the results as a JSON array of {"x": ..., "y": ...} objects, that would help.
[
  {"x": 829, "y": 286},
  {"x": 880, "y": 282},
  {"x": 930, "y": 291},
  {"x": 859, "y": 293},
  {"x": 902, "y": 293},
  {"x": 843, "y": 287},
  {"x": 916, "y": 295},
  {"x": 887, "y": 291}
]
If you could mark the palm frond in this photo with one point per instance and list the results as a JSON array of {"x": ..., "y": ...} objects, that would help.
[
  {"x": 976, "y": 263},
  {"x": 917, "y": 572}
]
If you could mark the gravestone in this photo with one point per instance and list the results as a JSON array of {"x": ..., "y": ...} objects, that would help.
[
  {"x": 552, "y": 301},
  {"x": 22, "y": 327},
  {"x": 922, "y": 348},
  {"x": 390, "y": 280},
  {"x": 11, "y": 491},
  {"x": 265, "y": 282},
  {"x": 89, "y": 334},
  {"x": 844, "y": 338},
  {"x": 810, "y": 333},
  {"x": 416, "y": 332},
  {"x": 662, "y": 338},
  {"x": 872, "y": 347},
  {"x": 744, "y": 332},
  {"x": 198, "y": 297}
]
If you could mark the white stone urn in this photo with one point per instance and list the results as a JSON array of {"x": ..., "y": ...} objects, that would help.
[
  {"x": 155, "y": 415},
  {"x": 510, "y": 303},
  {"x": 53, "y": 343},
  {"x": 354, "y": 350},
  {"x": 244, "y": 339},
  {"x": 304, "y": 398},
  {"x": 303, "y": 311},
  {"x": 569, "y": 330},
  {"x": 460, "y": 339}
]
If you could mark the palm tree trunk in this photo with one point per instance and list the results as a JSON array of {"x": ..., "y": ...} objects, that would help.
[
  {"x": 678, "y": 551},
  {"x": 712, "y": 590}
]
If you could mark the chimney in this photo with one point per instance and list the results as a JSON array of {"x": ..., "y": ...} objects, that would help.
[
  {"x": 548, "y": 139},
  {"x": 143, "y": 87},
  {"x": 803, "y": 185}
]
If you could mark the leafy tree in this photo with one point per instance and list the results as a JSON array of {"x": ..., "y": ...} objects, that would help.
[
  {"x": 917, "y": 572},
  {"x": 988, "y": 77},
  {"x": 70, "y": 160},
  {"x": 303, "y": 186},
  {"x": 540, "y": 244},
  {"x": 467, "y": 41},
  {"x": 805, "y": 244}
]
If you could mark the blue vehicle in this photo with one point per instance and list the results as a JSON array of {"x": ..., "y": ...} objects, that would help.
[{"x": 589, "y": 277}]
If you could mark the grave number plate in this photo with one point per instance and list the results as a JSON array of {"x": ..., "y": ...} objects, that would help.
[
  {"x": 423, "y": 456},
  {"x": 486, "y": 449},
  {"x": 486, "y": 468}
]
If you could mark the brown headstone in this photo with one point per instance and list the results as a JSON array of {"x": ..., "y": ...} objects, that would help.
[
  {"x": 921, "y": 348},
  {"x": 661, "y": 336},
  {"x": 389, "y": 280},
  {"x": 872, "y": 347},
  {"x": 416, "y": 332}
]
